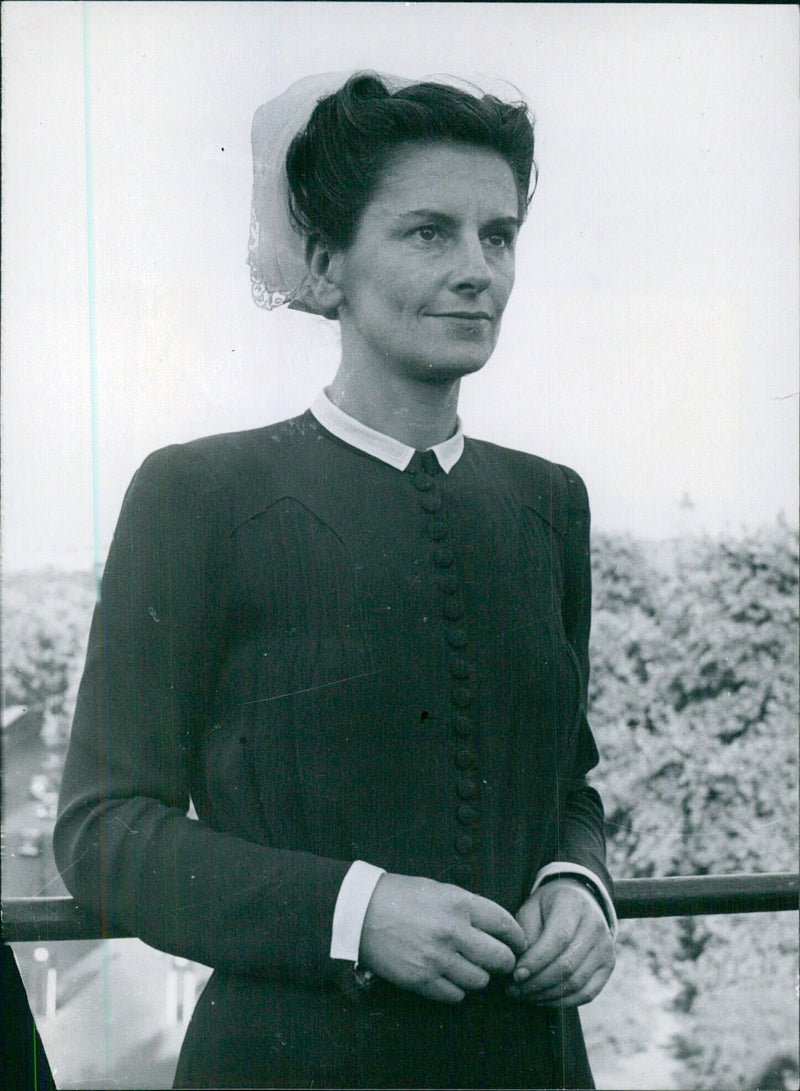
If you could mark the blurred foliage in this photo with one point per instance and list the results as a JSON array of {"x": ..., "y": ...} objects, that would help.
[
  {"x": 45, "y": 628},
  {"x": 694, "y": 702},
  {"x": 694, "y": 705}
]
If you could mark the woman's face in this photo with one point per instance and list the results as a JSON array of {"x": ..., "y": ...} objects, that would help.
[{"x": 427, "y": 277}]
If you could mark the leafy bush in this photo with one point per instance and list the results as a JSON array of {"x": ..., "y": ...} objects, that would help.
[
  {"x": 45, "y": 629},
  {"x": 694, "y": 704}
]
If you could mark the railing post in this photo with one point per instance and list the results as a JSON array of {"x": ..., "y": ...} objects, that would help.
[{"x": 45, "y": 983}]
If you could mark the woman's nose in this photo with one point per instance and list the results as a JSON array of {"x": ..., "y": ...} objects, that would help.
[{"x": 471, "y": 271}]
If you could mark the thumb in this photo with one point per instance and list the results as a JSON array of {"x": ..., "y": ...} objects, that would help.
[
  {"x": 498, "y": 922},
  {"x": 532, "y": 919}
]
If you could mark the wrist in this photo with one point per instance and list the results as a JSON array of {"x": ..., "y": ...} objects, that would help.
[
  {"x": 582, "y": 883},
  {"x": 595, "y": 885}
]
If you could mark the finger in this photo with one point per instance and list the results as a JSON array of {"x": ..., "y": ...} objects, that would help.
[
  {"x": 572, "y": 998},
  {"x": 531, "y": 918},
  {"x": 568, "y": 975},
  {"x": 554, "y": 940},
  {"x": 577, "y": 963},
  {"x": 443, "y": 990},
  {"x": 465, "y": 974},
  {"x": 490, "y": 917},
  {"x": 566, "y": 918},
  {"x": 558, "y": 984},
  {"x": 486, "y": 951}
]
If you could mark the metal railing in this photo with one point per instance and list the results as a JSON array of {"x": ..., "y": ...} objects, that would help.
[{"x": 48, "y": 920}]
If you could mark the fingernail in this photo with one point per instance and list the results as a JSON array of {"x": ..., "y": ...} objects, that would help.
[{"x": 521, "y": 974}]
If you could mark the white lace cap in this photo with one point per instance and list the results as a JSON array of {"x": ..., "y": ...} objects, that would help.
[{"x": 276, "y": 248}]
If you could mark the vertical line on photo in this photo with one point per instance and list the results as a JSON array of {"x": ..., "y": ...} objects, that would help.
[
  {"x": 93, "y": 402},
  {"x": 92, "y": 312}
]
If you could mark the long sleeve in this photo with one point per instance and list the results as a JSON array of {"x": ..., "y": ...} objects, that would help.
[
  {"x": 580, "y": 837},
  {"x": 123, "y": 842}
]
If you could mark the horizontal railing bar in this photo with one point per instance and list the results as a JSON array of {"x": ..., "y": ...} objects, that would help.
[
  {"x": 696, "y": 895},
  {"x": 48, "y": 920}
]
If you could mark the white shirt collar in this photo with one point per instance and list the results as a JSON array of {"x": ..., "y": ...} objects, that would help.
[{"x": 381, "y": 446}]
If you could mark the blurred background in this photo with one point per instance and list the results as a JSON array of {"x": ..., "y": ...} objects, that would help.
[{"x": 651, "y": 343}]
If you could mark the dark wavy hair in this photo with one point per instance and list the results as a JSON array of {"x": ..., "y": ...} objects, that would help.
[{"x": 334, "y": 165}]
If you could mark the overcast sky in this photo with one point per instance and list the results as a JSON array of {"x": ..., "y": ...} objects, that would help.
[{"x": 652, "y": 338}]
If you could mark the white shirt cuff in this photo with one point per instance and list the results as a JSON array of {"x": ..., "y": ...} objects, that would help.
[
  {"x": 566, "y": 869},
  {"x": 351, "y": 908}
]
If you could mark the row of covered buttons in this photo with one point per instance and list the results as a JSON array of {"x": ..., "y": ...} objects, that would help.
[{"x": 467, "y": 813}]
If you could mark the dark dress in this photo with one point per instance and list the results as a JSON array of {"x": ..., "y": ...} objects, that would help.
[{"x": 336, "y": 660}]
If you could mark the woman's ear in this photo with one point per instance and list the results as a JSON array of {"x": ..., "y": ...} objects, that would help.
[{"x": 324, "y": 268}]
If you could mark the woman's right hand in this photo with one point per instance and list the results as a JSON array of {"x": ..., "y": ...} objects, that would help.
[{"x": 436, "y": 939}]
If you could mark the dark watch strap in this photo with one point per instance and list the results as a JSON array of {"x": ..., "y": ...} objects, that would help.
[{"x": 576, "y": 877}]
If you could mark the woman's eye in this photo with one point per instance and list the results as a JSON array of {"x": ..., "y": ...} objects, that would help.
[
  {"x": 500, "y": 240},
  {"x": 428, "y": 232}
]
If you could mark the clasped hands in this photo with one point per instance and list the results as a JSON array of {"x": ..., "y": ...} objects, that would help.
[{"x": 442, "y": 941}]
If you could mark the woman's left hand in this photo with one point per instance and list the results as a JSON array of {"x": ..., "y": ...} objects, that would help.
[{"x": 570, "y": 952}]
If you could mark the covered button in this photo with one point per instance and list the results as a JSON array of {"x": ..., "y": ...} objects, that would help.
[
  {"x": 468, "y": 815},
  {"x": 462, "y": 874},
  {"x": 468, "y": 788},
  {"x": 437, "y": 528},
  {"x": 462, "y": 726},
  {"x": 459, "y": 668},
  {"x": 466, "y": 758},
  {"x": 423, "y": 482},
  {"x": 465, "y": 843},
  {"x": 456, "y": 638},
  {"x": 443, "y": 556},
  {"x": 448, "y": 582},
  {"x": 461, "y": 696},
  {"x": 431, "y": 502},
  {"x": 453, "y": 608}
]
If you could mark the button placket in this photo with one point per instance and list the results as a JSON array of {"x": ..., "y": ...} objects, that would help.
[{"x": 465, "y": 813}]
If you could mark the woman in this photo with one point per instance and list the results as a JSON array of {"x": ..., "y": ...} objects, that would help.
[{"x": 357, "y": 641}]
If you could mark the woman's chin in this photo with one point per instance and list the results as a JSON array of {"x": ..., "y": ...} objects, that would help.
[{"x": 450, "y": 367}]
